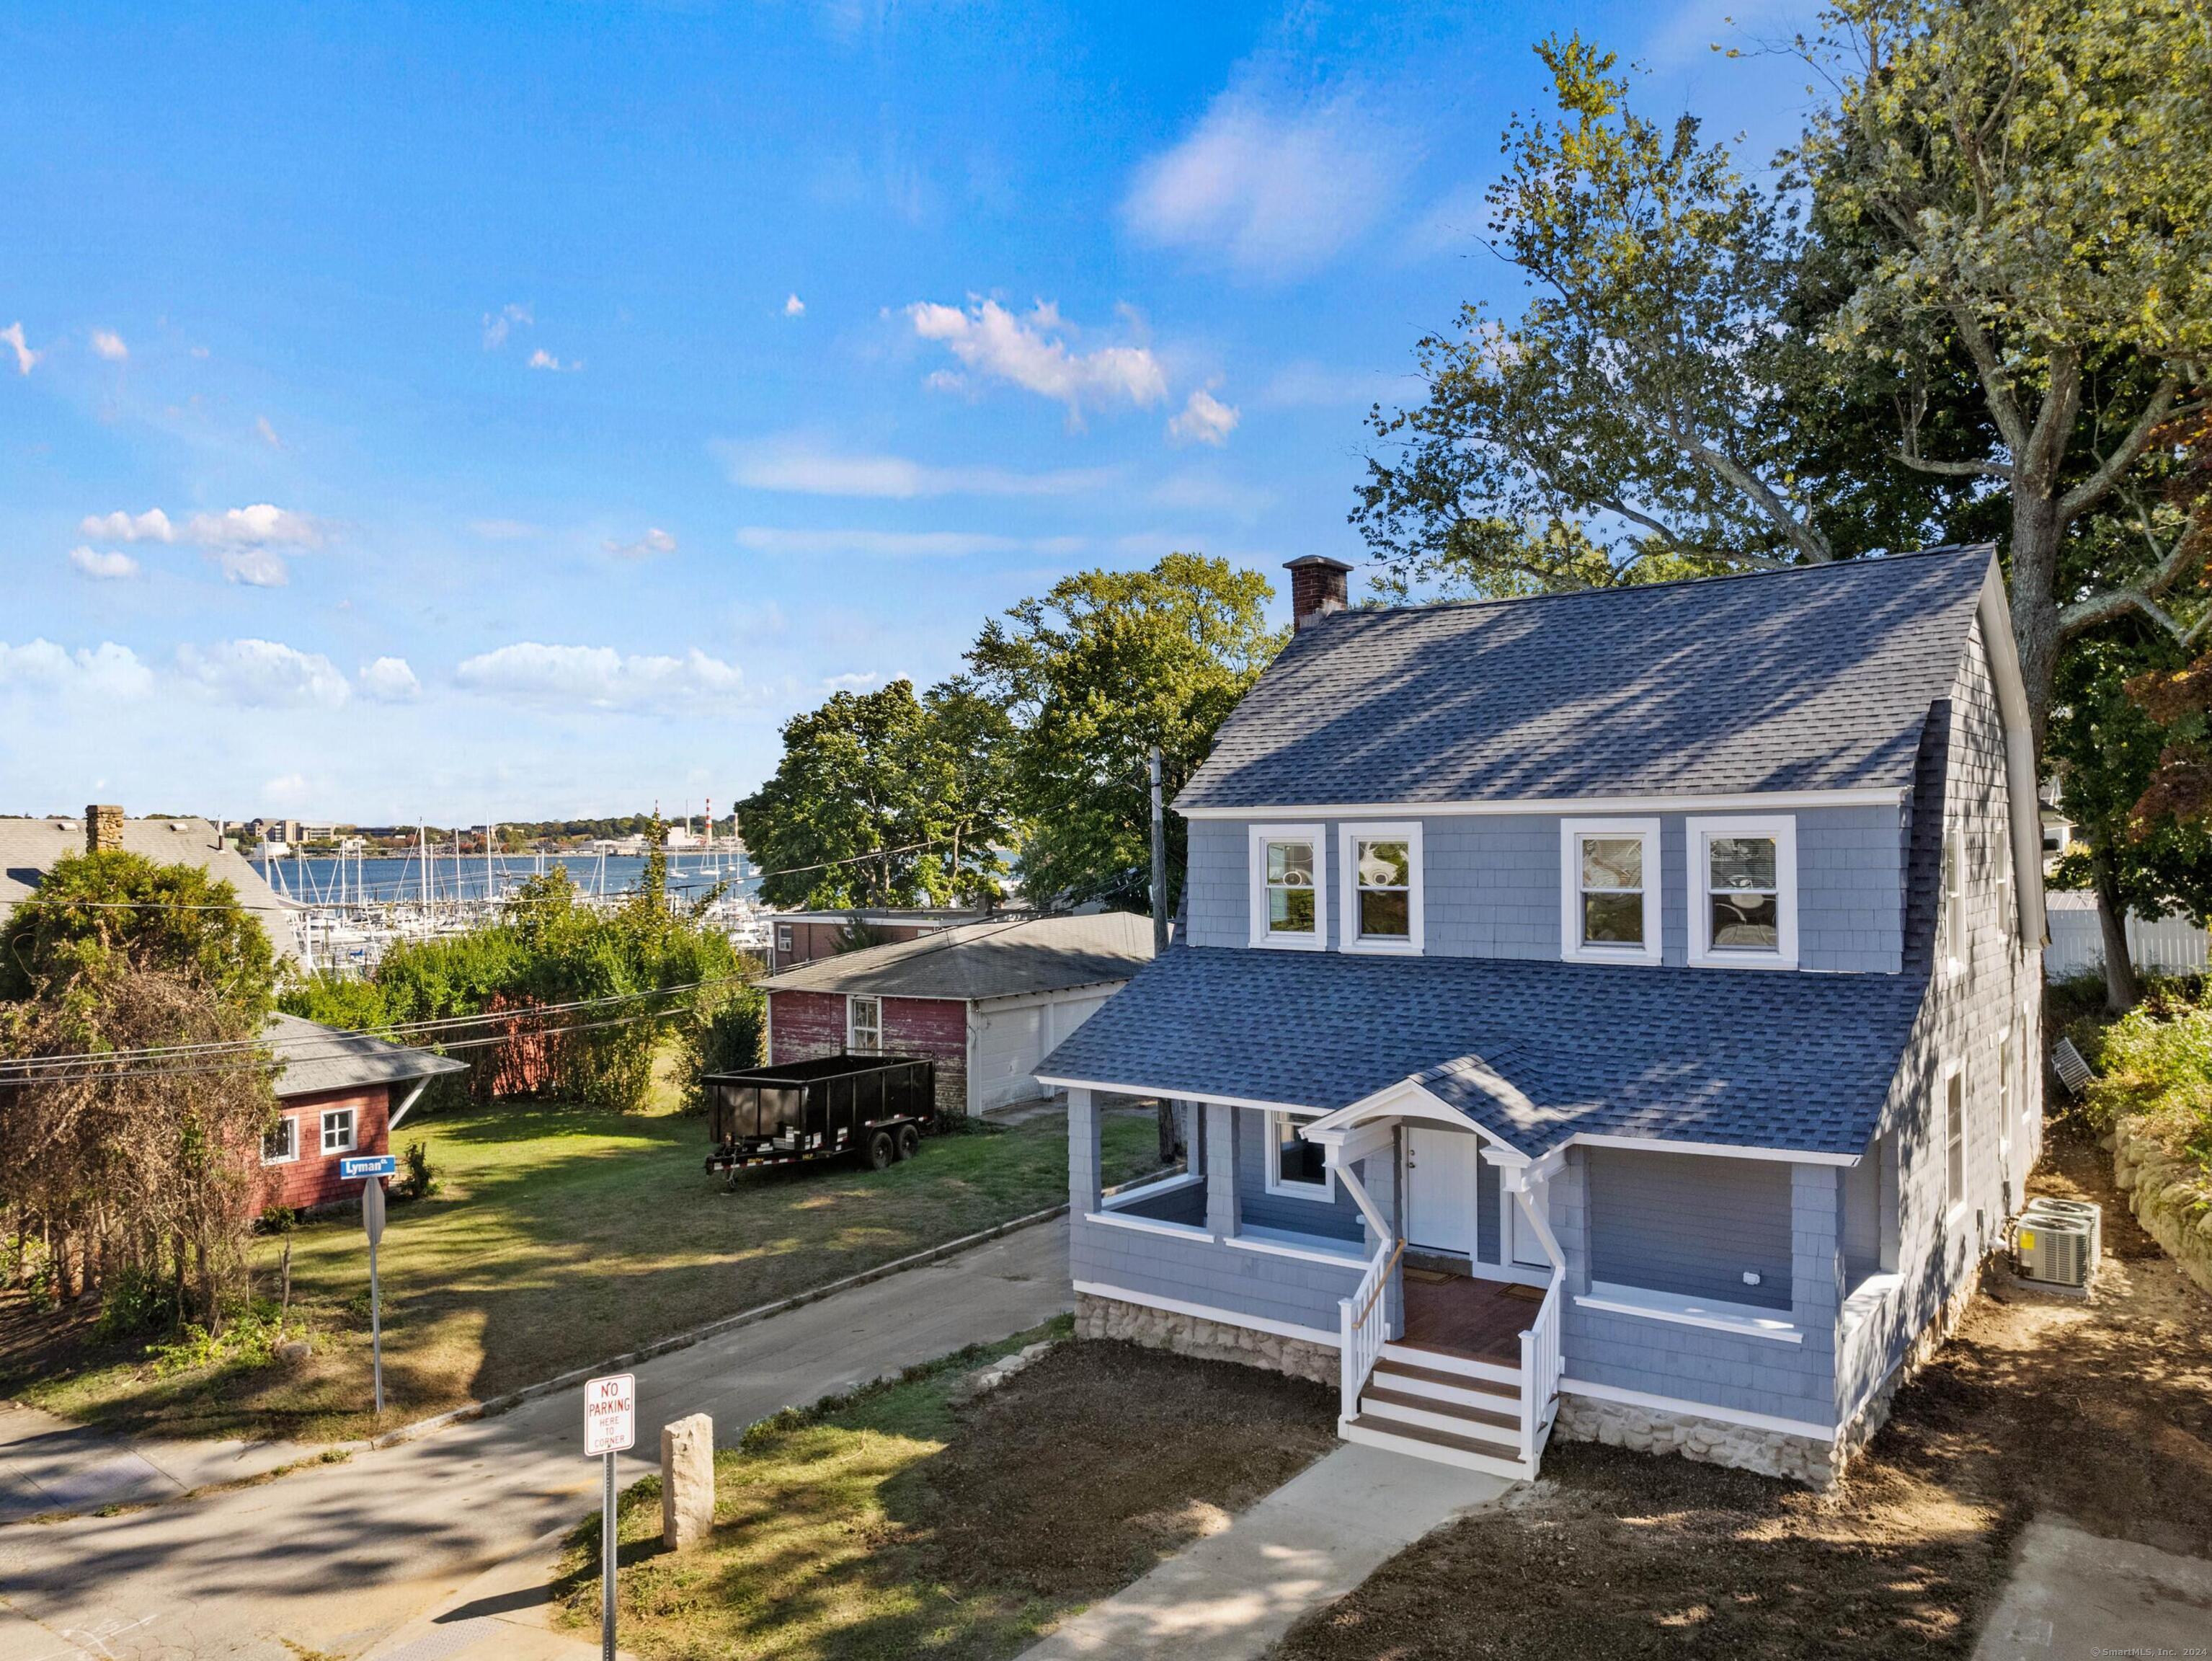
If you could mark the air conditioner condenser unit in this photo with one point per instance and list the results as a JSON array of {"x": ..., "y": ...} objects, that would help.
[
  {"x": 2053, "y": 1249},
  {"x": 2081, "y": 1211}
]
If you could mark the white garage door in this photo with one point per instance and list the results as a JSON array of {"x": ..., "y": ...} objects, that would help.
[{"x": 1011, "y": 1042}]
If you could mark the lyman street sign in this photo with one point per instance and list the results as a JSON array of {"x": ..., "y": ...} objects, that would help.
[
  {"x": 610, "y": 1414},
  {"x": 368, "y": 1165}
]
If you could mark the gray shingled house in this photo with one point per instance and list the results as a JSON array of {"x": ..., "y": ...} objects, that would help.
[{"x": 1610, "y": 1015}]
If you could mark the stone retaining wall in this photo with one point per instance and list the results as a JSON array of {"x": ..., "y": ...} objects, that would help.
[
  {"x": 1213, "y": 1340},
  {"x": 2168, "y": 1194},
  {"x": 1709, "y": 1441}
]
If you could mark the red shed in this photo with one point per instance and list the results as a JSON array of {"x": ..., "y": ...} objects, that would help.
[
  {"x": 341, "y": 1093},
  {"x": 985, "y": 1001}
]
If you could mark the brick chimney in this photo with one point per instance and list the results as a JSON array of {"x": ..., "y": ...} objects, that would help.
[
  {"x": 103, "y": 830},
  {"x": 1317, "y": 588}
]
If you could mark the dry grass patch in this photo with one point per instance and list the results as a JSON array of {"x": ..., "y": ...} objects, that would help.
[
  {"x": 903, "y": 1521},
  {"x": 2101, "y": 1413}
]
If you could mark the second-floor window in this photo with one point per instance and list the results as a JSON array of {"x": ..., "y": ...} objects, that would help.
[
  {"x": 1743, "y": 879},
  {"x": 783, "y": 939},
  {"x": 1951, "y": 906},
  {"x": 1289, "y": 887},
  {"x": 864, "y": 1025},
  {"x": 1381, "y": 887},
  {"x": 1609, "y": 891}
]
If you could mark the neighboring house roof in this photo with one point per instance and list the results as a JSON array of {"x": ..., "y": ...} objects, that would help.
[
  {"x": 900, "y": 915},
  {"x": 318, "y": 1059},
  {"x": 1793, "y": 1062},
  {"x": 29, "y": 849},
  {"x": 1815, "y": 677},
  {"x": 1002, "y": 960}
]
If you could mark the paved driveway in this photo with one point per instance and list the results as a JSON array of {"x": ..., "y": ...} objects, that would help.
[{"x": 334, "y": 1557}]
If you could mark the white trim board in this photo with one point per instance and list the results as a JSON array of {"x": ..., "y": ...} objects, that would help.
[
  {"x": 1229, "y": 1318},
  {"x": 1637, "y": 1398},
  {"x": 1743, "y": 1320},
  {"x": 1196, "y": 1233},
  {"x": 1753, "y": 801}
]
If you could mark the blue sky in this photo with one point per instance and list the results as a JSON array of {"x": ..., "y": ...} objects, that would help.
[{"x": 471, "y": 412}]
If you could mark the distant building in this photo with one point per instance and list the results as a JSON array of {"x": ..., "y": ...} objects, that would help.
[
  {"x": 341, "y": 1094},
  {"x": 802, "y": 936}
]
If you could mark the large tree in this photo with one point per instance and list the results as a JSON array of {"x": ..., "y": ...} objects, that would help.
[
  {"x": 114, "y": 911},
  {"x": 1094, "y": 673}
]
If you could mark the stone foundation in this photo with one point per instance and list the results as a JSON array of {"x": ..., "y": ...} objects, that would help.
[
  {"x": 1211, "y": 1341},
  {"x": 1709, "y": 1441},
  {"x": 2167, "y": 1192}
]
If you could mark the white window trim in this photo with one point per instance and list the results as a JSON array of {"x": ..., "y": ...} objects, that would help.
[
  {"x": 1571, "y": 949},
  {"x": 1951, "y": 902},
  {"x": 1323, "y": 1192},
  {"x": 1347, "y": 840},
  {"x": 352, "y": 1135},
  {"x": 853, "y": 1025},
  {"x": 292, "y": 1125},
  {"x": 1256, "y": 858},
  {"x": 1703, "y": 952},
  {"x": 1954, "y": 1210}
]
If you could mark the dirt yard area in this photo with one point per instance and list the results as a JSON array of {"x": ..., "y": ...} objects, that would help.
[
  {"x": 904, "y": 1521},
  {"x": 2100, "y": 1412}
]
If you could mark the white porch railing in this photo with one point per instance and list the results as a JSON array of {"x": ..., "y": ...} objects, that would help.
[
  {"x": 1539, "y": 1374},
  {"x": 1363, "y": 1327}
]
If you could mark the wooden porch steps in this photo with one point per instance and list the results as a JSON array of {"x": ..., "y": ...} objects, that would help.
[
  {"x": 1438, "y": 1413},
  {"x": 1434, "y": 1403},
  {"x": 1393, "y": 1374},
  {"x": 1469, "y": 1452}
]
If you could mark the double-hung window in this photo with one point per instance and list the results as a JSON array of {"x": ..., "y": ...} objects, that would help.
[
  {"x": 280, "y": 1143},
  {"x": 1295, "y": 1165},
  {"x": 1743, "y": 892},
  {"x": 1609, "y": 891},
  {"x": 1951, "y": 906},
  {"x": 338, "y": 1130},
  {"x": 864, "y": 1025},
  {"x": 1382, "y": 866},
  {"x": 1290, "y": 887},
  {"x": 1954, "y": 1139}
]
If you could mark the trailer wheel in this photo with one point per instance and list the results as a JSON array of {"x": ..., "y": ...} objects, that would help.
[
  {"x": 881, "y": 1150},
  {"x": 909, "y": 1141}
]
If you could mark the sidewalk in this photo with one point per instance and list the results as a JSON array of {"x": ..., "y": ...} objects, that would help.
[
  {"x": 50, "y": 1466},
  {"x": 1230, "y": 1596}
]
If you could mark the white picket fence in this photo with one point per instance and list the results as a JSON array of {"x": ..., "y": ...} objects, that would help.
[{"x": 2166, "y": 945}]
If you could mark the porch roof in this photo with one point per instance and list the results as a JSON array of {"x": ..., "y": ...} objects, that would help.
[{"x": 1791, "y": 1062}]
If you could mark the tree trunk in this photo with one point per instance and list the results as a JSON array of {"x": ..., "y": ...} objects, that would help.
[
  {"x": 2036, "y": 535},
  {"x": 2122, "y": 990},
  {"x": 1168, "y": 1145}
]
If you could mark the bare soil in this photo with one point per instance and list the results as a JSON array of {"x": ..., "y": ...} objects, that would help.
[{"x": 2097, "y": 1411}]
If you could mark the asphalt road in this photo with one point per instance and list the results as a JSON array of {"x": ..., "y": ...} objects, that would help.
[{"x": 333, "y": 1558}]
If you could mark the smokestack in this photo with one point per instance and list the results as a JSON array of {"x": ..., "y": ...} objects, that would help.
[
  {"x": 103, "y": 830},
  {"x": 1317, "y": 588}
]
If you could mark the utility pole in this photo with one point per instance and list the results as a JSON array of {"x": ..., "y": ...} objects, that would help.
[{"x": 1171, "y": 1144}]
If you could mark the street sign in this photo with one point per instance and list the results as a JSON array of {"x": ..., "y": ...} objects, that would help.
[
  {"x": 610, "y": 1414},
  {"x": 368, "y": 1165},
  {"x": 371, "y": 1224}
]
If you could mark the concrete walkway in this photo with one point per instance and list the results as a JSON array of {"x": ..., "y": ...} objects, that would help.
[
  {"x": 1232, "y": 1595},
  {"x": 333, "y": 1559},
  {"x": 2077, "y": 1594},
  {"x": 51, "y": 1467}
]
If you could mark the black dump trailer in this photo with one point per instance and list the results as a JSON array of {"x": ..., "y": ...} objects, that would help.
[{"x": 877, "y": 1107}]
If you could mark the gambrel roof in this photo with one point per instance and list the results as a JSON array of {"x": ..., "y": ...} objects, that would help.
[{"x": 1816, "y": 678}]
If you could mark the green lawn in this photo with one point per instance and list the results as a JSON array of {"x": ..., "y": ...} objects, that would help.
[{"x": 560, "y": 1236}]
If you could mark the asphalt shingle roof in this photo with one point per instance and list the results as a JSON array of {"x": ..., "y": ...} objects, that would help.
[
  {"x": 319, "y": 1058},
  {"x": 1001, "y": 959},
  {"x": 29, "y": 849},
  {"x": 1814, "y": 678},
  {"x": 1749, "y": 1059}
]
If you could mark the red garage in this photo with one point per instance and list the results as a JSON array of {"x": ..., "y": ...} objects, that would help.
[{"x": 341, "y": 1094}]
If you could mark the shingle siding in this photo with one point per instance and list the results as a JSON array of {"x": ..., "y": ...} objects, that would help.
[
  {"x": 1337, "y": 1218},
  {"x": 1690, "y": 1224}
]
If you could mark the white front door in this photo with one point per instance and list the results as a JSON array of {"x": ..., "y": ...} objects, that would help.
[{"x": 1440, "y": 1188}]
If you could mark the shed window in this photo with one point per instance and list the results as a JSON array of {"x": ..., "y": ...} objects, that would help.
[
  {"x": 1295, "y": 1165},
  {"x": 1955, "y": 1137},
  {"x": 281, "y": 1142},
  {"x": 1610, "y": 884},
  {"x": 864, "y": 1025},
  {"x": 1288, "y": 886},
  {"x": 338, "y": 1130}
]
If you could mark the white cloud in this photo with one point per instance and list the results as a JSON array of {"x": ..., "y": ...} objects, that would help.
[
  {"x": 13, "y": 336},
  {"x": 255, "y": 567},
  {"x": 597, "y": 677},
  {"x": 388, "y": 680},
  {"x": 542, "y": 359},
  {"x": 105, "y": 671},
  {"x": 800, "y": 467},
  {"x": 262, "y": 525},
  {"x": 899, "y": 545},
  {"x": 103, "y": 567},
  {"x": 1205, "y": 419},
  {"x": 1273, "y": 192},
  {"x": 1032, "y": 352},
  {"x": 794, "y": 306},
  {"x": 268, "y": 433},
  {"x": 262, "y": 672},
  {"x": 152, "y": 526},
  {"x": 497, "y": 324},
  {"x": 655, "y": 541},
  {"x": 106, "y": 344}
]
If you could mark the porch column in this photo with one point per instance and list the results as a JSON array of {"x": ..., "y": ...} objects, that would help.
[
  {"x": 1083, "y": 1161},
  {"x": 1571, "y": 1221},
  {"x": 1816, "y": 1257},
  {"x": 1220, "y": 1169}
]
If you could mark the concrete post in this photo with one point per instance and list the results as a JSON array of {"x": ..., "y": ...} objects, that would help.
[
  {"x": 1220, "y": 1169},
  {"x": 1083, "y": 1155},
  {"x": 687, "y": 1481}
]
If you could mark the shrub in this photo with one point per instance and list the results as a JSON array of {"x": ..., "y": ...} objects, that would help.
[
  {"x": 421, "y": 1181},
  {"x": 249, "y": 1338},
  {"x": 135, "y": 1302},
  {"x": 2156, "y": 1060}
]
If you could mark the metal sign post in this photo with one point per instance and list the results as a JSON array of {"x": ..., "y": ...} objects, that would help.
[
  {"x": 609, "y": 1427},
  {"x": 370, "y": 1170}
]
